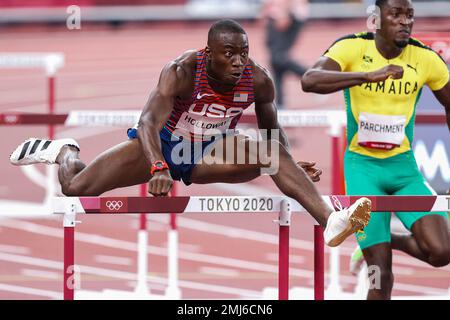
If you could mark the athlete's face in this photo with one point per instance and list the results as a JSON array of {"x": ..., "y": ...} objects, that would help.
[
  {"x": 228, "y": 55},
  {"x": 397, "y": 19}
]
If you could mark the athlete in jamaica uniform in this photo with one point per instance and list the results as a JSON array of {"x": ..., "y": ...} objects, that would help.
[{"x": 382, "y": 75}]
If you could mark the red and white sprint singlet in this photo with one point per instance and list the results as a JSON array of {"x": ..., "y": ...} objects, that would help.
[{"x": 207, "y": 112}]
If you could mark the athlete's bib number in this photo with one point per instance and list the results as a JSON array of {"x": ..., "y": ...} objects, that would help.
[{"x": 381, "y": 131}]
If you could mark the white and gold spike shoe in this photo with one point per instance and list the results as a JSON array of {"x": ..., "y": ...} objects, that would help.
[
  {"x": 342, "y": 224},
  {"x": 35, "y": 150}
]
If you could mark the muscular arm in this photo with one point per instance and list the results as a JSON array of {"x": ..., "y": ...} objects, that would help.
[
  {"x": 443, "y": 96},
  {"x": 157, "y": 110},
  {"x": 326, "y": 76},
  {"x": 265, "y": 110},
  {"x": 175, "y": 80}
]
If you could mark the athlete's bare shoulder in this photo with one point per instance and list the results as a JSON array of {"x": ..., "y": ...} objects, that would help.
[
  {"x": 179, "y": 73},
  {"x": 262, "y": 83},
  {"x": 187, "y": 62}
]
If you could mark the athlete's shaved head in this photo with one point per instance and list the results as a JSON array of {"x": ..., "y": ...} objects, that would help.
[
  {"x": 224, "y": 26},
  {"x": 380, "y": 3}
]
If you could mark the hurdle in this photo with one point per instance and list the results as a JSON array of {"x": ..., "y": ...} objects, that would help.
[
  {"x": 69, "y": 207},
  {"x": 50, "y": 62}
]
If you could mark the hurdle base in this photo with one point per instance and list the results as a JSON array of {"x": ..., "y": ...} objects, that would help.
[
  {"x": 300, "y": 293},
  {"x": 110, "y": 294},
  {"x": 173, "y": 293},
  {"x": 428, "y": 297}
]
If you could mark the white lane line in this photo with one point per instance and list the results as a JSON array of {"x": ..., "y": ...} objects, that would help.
[
  {"x": 222, "y": 272},
  {"x": 85, "y": 132},
  {"x": 121, "y": 261},
  {"x": 245, "y": 189},
  {"x": 187, "y": 247},
  {"x": 292, "y": 258},
  {"x": 250, "y": 294},
  {"x": 30, "y": 291},
  {"x": 401, "y": 271},
  {"x": 151, "y": 226},
  {"x": 14, "y": 249},
  {"x": 40, "y": 274},
  {"x": 160, "y": 287},
  {"x": 207, "y": 259}
]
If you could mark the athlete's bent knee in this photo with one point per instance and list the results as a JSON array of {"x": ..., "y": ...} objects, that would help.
[
  {"x": 68, "y": 191},
  {"x": 439, "y": 257},
  {"x": 77, "y": 190}
]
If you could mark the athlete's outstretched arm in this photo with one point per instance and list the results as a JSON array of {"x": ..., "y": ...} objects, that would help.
[
  {"x": 326, "y": 76},
  {"x": 443, "y": 95},
  {"x": 156, "y": 112}
]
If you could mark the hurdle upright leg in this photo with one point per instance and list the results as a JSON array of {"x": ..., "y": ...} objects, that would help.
[
  {"x": 69, "y": 276},
  {"x": 173, "y": 290},
  {"x": 142, "y": 270},
  {"x": 283, "y": 250},
  {"x": 51, "y": 104},
  {"x": 319, "y": 263},
  {"x": 338, "y": 148}
]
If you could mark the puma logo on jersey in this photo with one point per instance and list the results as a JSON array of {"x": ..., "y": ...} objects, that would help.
[
  {"x": 367, "y": 59},
  {"x": 410, "y": 66}
]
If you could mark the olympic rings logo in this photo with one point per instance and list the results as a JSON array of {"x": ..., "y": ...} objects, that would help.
[
  {"x": 114, "y": 205},
  {"x": 11, "y": 118}
]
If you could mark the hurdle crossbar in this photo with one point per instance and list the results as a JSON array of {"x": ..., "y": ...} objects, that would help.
[
  {"x": 236, "y": 204},
  {"x": 49, "y": 61},
  {"x": 286, "y": 118}
]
